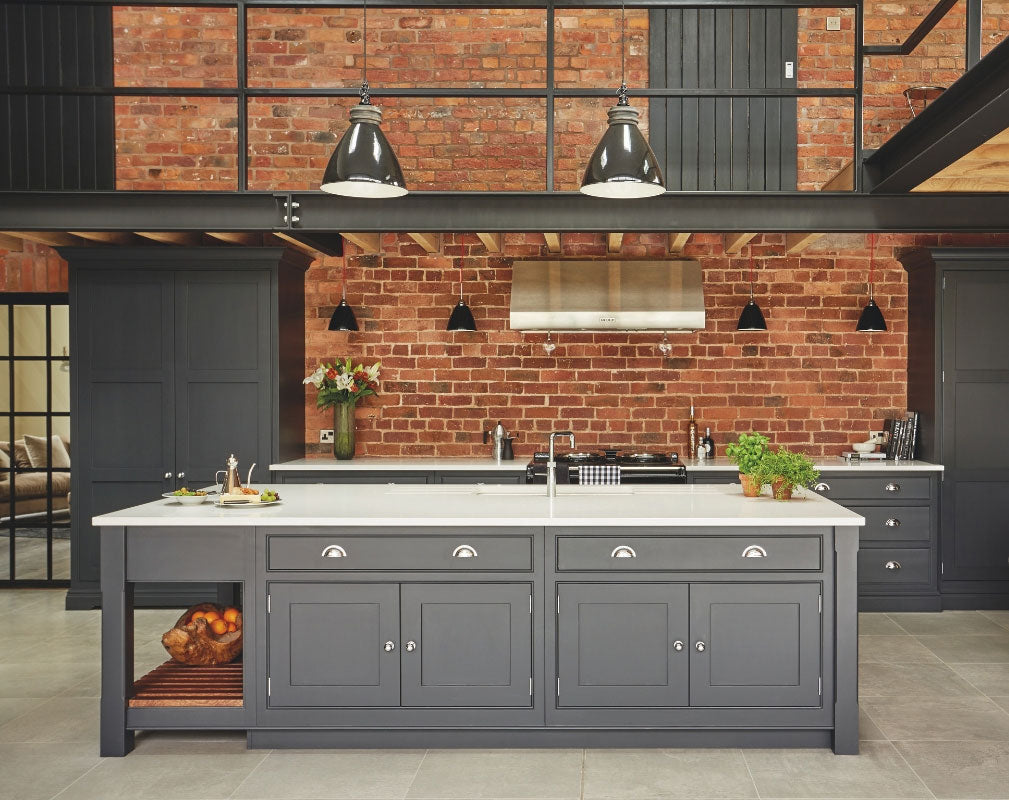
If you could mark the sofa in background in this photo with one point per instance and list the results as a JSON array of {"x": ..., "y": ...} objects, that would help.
[{"x": 31, "y": 481}]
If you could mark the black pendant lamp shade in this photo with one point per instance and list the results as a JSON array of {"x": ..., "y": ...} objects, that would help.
[
  {"x": 623, "y": 165},
  {"x": 343, "y": 318},
  {"x": 751, "y": 318},
  {"x": 462, "y": 316},
  {"x": 363, "y": 164},
  {"x": 871, "y": 320}
]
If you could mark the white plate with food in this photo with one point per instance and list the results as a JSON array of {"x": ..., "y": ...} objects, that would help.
[
  {"x": 247, "y": 498},
  {"x": 186, "y": 497}
]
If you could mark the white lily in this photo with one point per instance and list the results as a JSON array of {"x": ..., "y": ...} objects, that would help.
[
  {"x": 344, "y": 381},
  {"x": 316, "y": 378},
  {"x": 372, "y": 371}
]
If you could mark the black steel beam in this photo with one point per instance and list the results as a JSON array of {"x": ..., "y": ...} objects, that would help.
[
  {"x": 516, "y": 4},
  {"x": 973, "y": 40},
  {"x": 924, "y": 29},
  {"x": 967, "y": 114}
]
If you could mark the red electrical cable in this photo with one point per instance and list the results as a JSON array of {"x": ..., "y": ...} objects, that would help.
[{"x": 872, "y": 258}]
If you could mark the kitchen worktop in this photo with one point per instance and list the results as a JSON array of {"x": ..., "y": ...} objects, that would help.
[
  {"x": 428, "y": 464},
  {"x": 491, "y": 505}
]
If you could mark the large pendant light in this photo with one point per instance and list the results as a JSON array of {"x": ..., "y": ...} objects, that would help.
[
  {"x": 871, "y": 320},
  {"x": 363, "y": 164},
  {"x": 462, "y": 316},
  {"x": 343, "y": 318},
  {"x": 623, "y": 165},
  {"x": 752, "y": 318}
]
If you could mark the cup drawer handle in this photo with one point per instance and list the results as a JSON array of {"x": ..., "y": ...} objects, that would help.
[
  {"x": 893, "y": 522},
  {"x": 334, "y": 551},
  {"x": 623, "y": 551},
  {"x": 892, "y": 487},
  {"x": 754, "y": 551},
  {"x": 822, "y": 487},
  {"x": 464, "y": 551},
  {"x": 892, "y": 565}
]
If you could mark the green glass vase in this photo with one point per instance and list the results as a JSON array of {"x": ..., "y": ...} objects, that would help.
[{"x": 343, "y": 431}]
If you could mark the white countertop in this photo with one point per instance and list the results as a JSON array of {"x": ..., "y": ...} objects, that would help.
[
  {"x": 427, "y": 464},
  {"x": 490, "y": 505}
]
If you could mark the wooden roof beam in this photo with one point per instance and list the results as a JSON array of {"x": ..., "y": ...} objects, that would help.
[
  {"x": 431, "y": 242},
  {"x": 242, "y": 239},
  {"x": 180, "y": 238},
  {"x": 677, "y": 241},
  {"x": 734, "y": 242},
  {"x": 368, "y": 242},
  {"x": 613, "y": 242},
  {"x": 797, "y": 242},
  {"x": 106, "y": 237},
  {"x": 50, "y": 238},
  {"x": 553, "y": 241},
  {"x": 12, "y": 243},
  {"x": 494, "y": 242}
]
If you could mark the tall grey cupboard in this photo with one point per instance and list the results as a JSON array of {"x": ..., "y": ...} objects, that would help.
[{"x": 180, "y": 356}]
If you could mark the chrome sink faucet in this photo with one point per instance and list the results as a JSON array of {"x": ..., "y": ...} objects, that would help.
[{"x": 552, "y": 465}]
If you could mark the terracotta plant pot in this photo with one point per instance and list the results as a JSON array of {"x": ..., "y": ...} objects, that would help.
[
  {"x": 751, "y": 486},
  {"x": 782, "y": 489}
]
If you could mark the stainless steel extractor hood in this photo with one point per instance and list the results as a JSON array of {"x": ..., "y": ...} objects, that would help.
[{"x": 607, "y": 296}]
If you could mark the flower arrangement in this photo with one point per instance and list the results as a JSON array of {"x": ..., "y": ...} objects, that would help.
[{"x": 343, "y": 383}]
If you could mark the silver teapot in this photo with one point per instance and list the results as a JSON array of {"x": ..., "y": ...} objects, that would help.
[{"x": 231, "y": 480}]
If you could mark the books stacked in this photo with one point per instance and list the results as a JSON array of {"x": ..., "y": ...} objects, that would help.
[{"x": 901, "y": 436}]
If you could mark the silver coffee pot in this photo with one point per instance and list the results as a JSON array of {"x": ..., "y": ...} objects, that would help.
[
  {"x": 497, "y": 435},
  {"x": 231, "y": 480}
]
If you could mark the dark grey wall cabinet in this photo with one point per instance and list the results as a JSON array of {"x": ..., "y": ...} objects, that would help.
[
  {"x": 958, "y": 376},
  {"x": 181, "y": 357}
]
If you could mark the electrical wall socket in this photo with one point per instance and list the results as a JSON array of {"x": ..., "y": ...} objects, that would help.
[
  {"x": 875, "y": 434},
  {"x": 833, "y": 23},
  {"x": 326, "y": 436}
]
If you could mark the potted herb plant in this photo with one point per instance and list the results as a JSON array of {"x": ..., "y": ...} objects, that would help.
[
  {"x": 746, "y": 453},
  {"x": 340, "y": 386},
  {"x": 786, "y": 471}
]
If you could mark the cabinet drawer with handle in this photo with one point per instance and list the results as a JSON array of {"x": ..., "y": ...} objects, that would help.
[
  {"x": 346, "y": 553},
  {"x": 894, "y": 523},
  {"x": 883, "y": 487},
  {"x": 688, "y": 553},
  {"x": 894, "y": 565}
]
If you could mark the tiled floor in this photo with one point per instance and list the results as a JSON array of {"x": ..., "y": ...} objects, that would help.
[
  {"x": 935, "y": 724},
  {"x": 30, "y": 557}
]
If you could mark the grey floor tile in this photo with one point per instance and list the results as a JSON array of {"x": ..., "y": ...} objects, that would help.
[
  {"x": 362, "y": 775},
  {"x": 867, "y": 729},
  {"x": 911, "y": 680},
  {"x": 90, "y": 686},
  {"x": 1002, "y": 702},
  {"x": 956, "y": 649},
  {"x": 878, "y": 623},
  {"x": 877, "y": 772},
  {"x": 662, "y": 774},
  {"x": 40, "y": 680},
  {"x": 61, "y": 719},
  {"x": 952, "y": 718},
  {"x": 13, "y": 707},
  {"x": 164, "y": 777},
  {"x": 977, "y": 770},
  {"x": 944, "y": 622},
  {"x": 1000, "y": 617},
  {"x": 480, "y": 774},
  {"x": 40, "y": 771},
  {"x": 890, "y": 649},
  {"x": 991, "y": 679}
]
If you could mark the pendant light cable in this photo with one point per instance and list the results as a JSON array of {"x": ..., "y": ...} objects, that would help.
[
  {"x": 872, "y": 263},
  {"x": 365, "y": 88},
  {"x": 343, "y": 285},
  {"x": 460, "y": 281},
  {"x": 622, "y": 91},
  {"x": 752, "y": 273}
]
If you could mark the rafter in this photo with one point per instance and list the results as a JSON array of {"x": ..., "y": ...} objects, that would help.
[
  {"x": 181, "y": 238},
  {"x": 431, "y": 242},
  {"x": 613, "y": 242},
  {"x": 243, "y": 239},
  {"x": 734, "y": 242},
  {"x": 797, "y": 242},
  {"x": 553, "y": 241},
  {"x": 106, "y": 237},
  {"x": 368, "y": 242},
  {"x": 11, "y": 243},
  {"x": 677, "y": 241},
  {"x": 494, "y": 242},
  {"x": 50, "y": 238}
]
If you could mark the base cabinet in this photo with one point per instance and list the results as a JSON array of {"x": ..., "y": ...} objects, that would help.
[{"x": 452, "y": 645}]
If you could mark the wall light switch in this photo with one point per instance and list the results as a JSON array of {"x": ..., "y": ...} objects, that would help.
[
  {"x": 326, "y": 436},
  {"x": 833, "y": 23},
  {"x": 789, "y": 69}
]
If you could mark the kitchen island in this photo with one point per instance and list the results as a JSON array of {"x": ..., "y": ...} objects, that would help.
[{"x": 491, "y": 615}]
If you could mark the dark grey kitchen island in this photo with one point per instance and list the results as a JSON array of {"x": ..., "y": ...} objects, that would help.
[{"x": 405, "y": 615}]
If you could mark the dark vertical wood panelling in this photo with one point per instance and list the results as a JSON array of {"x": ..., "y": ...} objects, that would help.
[
  {"x": 722, "y": 144},
  {"x": 56, "y": 142}
]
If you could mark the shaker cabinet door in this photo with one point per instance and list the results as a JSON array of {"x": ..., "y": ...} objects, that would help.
[
  {"x": 328, "y": 644},
  {"x": 755, "y": 644},
  {"x": 616, "y": 644},
  {"x": 467, "y": 644}
]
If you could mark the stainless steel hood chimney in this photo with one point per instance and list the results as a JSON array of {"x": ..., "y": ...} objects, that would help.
[{"x": 607, "y": 296}]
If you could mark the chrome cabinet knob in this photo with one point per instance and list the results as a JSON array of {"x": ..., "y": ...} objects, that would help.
[
  {"x": 334, "y": 551},
  {"x": 754, "y": 551},
  {"x": 389, "y": 647},
  {"x": 822, "y": 487},
  {"x": 892, "y": 487},
  {"x": 410, "y": 646},
  {"x": 464, "y": 551},
  {"x": 893, "y": 565},
  {"x": 893, "y": 522},
  {"x": 700, "y": 647},
  {"x": 623, "y": 551},
  {"x": 181, "y": 475},
  {"x": 168, "y": 476},
  {"x": 677, "y": 645}
]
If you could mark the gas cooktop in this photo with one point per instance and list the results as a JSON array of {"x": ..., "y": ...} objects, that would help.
[{"x": 608, "y": 456}]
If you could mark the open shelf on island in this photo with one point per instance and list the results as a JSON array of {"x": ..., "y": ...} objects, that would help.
[{"x": 174, "y": 685}]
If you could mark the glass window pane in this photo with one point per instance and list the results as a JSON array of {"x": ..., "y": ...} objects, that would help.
[
  {"x": 5, "y": 392},
  {"x": 36, "y": 426},
  {"x": 60, "y": 372},
  {"x": 4, "y": 331},
  {"x": 59, "y": 323},
  {"x": 30, "y": 549},
  {"x": 61, "y": 428},
  {"x": 30, "y": 386},
  {"x": 29, "y": 330}
]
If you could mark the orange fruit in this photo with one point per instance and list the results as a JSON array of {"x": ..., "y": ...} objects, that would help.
[
  {"x": 197, "y": 615},
  {"x": 231, "y": 614},
  {"x": 210, "y": 616},
  {"x": 219, "y": 626},
  {"x": 232, "y": 627}
]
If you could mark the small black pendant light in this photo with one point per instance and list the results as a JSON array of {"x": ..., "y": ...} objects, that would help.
[
  {"x": 752, "y": 318},
  {"x": 462, "y": 316},
  {"x": 871, "y": 320},
  {"x": 623, "y": 165},
  {"x": 343, "y": 318},
  {"x": 363, "y": 164}
]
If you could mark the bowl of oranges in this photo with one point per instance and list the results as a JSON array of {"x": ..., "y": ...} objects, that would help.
[{"x": 206, "y": 634}]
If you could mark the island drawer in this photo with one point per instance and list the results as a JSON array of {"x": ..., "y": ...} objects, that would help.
[
  {"x": 894, "y": 565},
  {"x": 881, "y": 487},
  {"x": 347, "y": 553},
  {"x": 895, "y": 523},
  {"x": 688, "y": 553}
]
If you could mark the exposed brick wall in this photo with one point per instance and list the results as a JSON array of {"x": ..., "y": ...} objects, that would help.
[{"x": 32, "y": 268}]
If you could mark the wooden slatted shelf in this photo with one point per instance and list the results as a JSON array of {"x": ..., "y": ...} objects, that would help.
[{"x": 174, "y": 685}]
